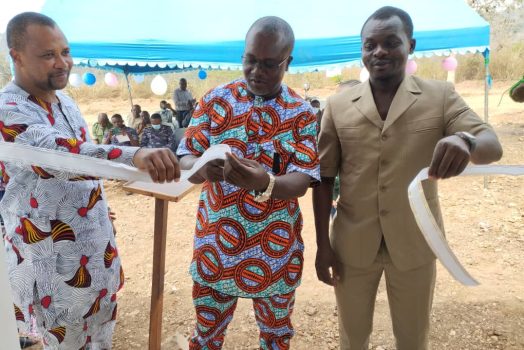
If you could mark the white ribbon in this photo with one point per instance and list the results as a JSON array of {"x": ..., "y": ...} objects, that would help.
[
  {"x": 82, "y": 165},
  {"x": 85, "y": 165},
  {"x": 428, "y": 225}
]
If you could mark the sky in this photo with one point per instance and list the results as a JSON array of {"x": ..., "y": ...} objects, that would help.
[{"x": 10, "y": 8}]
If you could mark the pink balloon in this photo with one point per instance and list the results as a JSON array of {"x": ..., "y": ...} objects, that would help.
[
  {"x": 111, "y": 79},
  {"x": 364, "y": 74},
  {"x": 449, "y": 64},
  {"x": 411, "y": 67}
]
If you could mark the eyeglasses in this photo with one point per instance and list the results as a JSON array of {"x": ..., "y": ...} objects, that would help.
[{"x": 264, "y": 64}]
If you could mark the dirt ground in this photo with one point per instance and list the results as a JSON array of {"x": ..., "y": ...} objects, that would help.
[{"x": 485, "y": 227}]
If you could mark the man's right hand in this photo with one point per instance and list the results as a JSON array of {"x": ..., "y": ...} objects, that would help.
[
  {"x": 161, "y": 164},
  {"x": 324, "y": 261}
]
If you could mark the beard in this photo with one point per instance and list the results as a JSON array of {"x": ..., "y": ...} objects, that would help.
[{"x": 56, "y": 81}]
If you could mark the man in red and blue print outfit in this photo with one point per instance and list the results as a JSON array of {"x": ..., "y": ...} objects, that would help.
[{"x": 248, "y": 240}]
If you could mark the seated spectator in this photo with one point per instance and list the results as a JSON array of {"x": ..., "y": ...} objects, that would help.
[
  {"x": 158, "y": 135},
  {"x": 134, "y": 118},
  {"x": 100, "y": 128},
  {"x": 187, "y": 118},
  {"x": 167, "y": 113},
  {"x": 146, "y": 121},
  {"x": 120, "y": 134}
]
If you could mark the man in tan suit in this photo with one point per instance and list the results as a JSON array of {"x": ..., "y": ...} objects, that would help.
[{"x": 377, "y": 136}]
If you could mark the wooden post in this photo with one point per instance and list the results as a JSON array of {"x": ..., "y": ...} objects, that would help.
[
  {"x": 157, "y": 286},
  {"x": 162, "y": 200}
]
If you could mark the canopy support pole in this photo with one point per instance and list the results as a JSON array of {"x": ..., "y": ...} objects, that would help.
[
  {"x": 128, "y": 88},
  {"x": 487, "y": 84}
]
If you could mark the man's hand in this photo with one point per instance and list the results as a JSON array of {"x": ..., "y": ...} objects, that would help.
[
  {"x": 212, "y": 171},
  {"x": 160, "y": 163},
  {"x": 324, "y": 261},
  {"x": 450, "y": 158},
  {"x": 245, "y": 173}
]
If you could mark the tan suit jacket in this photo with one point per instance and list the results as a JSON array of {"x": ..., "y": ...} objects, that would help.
[{"x": 376, "y": 161}]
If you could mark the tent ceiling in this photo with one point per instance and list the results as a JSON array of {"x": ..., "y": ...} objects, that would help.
[{"x": 157, "y": 35}]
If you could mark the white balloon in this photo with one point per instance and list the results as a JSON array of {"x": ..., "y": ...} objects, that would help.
[
  {"x": 75, "y": 80},
  {"x": 364, "y": 74},
  {"x": 158, "y": 85},
  {"x": 111, "y": 79},
  {"x": 138, "y": 78}
]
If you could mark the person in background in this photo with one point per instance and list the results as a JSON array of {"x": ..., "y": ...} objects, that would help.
[
  {"x": 158, "y": 135},
  {"x": 248, "y": 240},
  {"x": 61, "y": 254},
  {"x": 146, "y": 121},
  {"x": 120, "y": 134},
  {"x": 134, "y": 118},
  {"x": 187, "y": 119},
  {"x": 517, "y": 91},
  {"x": 168, "y": 114},
  {"x": 100, "y": 128},
  {"x": 377, "y": 136},
  {"x": 315, "y": 103},
  {"x": 183, "y": 101}
]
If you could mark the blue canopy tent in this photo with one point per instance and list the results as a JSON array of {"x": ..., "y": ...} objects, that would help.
[
  {"x": 134, "y": 36},
  {"x": 158, "y": 35}
]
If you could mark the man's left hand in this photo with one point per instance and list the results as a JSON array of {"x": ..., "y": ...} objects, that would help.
[
  {"x": 245, "y": 173},
  {"x": 450, "y": 158}
]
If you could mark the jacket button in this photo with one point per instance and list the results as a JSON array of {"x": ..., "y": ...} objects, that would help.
[
  {"x": 383, "y": 212},
  {"x": 384, "y": 137}
]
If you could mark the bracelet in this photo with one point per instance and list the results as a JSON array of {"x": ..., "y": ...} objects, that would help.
[{"x": 267, "y": 193}]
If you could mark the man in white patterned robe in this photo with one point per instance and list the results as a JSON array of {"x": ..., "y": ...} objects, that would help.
[{"x": 62, "y": 258}]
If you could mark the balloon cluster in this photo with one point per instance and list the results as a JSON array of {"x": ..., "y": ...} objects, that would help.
[
  {"x": 87, "y": 78},
  {"x": 158, "y": 84}
]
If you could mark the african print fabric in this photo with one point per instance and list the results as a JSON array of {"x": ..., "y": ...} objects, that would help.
[
  {"x": 215, "y": 312},
  {"x": 242, "y": 247},
  {"x": 62, "y": 258}
]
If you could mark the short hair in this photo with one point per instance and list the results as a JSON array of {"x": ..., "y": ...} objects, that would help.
[
  {"x": 17, "y": 26},
  {"x": 276, "y": 26},
  {"x": 117, "y": 116},
  {"x": 387, "y": 12},
  {"x": 163, "y": 101},
  {"x": 183, "y": 80},
  {"x": 156, "y": 116}
]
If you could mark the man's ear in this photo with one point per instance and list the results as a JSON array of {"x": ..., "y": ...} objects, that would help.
[
  {"x": 412, "y": 44},
  {"x": 15, "y": 55}
]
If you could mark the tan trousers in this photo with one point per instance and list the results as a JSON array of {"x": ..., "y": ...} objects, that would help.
[{"x": 410, "y": 295}]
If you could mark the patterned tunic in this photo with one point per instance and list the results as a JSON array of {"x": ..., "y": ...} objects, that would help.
[
  {"x": 164, "y": 137},
  {"x": 242, "y": 247},
  {"x": 61, "y": 252}
]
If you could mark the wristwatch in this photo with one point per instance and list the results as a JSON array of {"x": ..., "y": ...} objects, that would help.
[
  {"x": 264, "y": 196},
  {"x": 470, "y": 139}
]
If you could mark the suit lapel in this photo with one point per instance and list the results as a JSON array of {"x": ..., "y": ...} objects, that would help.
[
  {"x": 365, "y": 103},
  {"x": 405, "y": 97}
]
